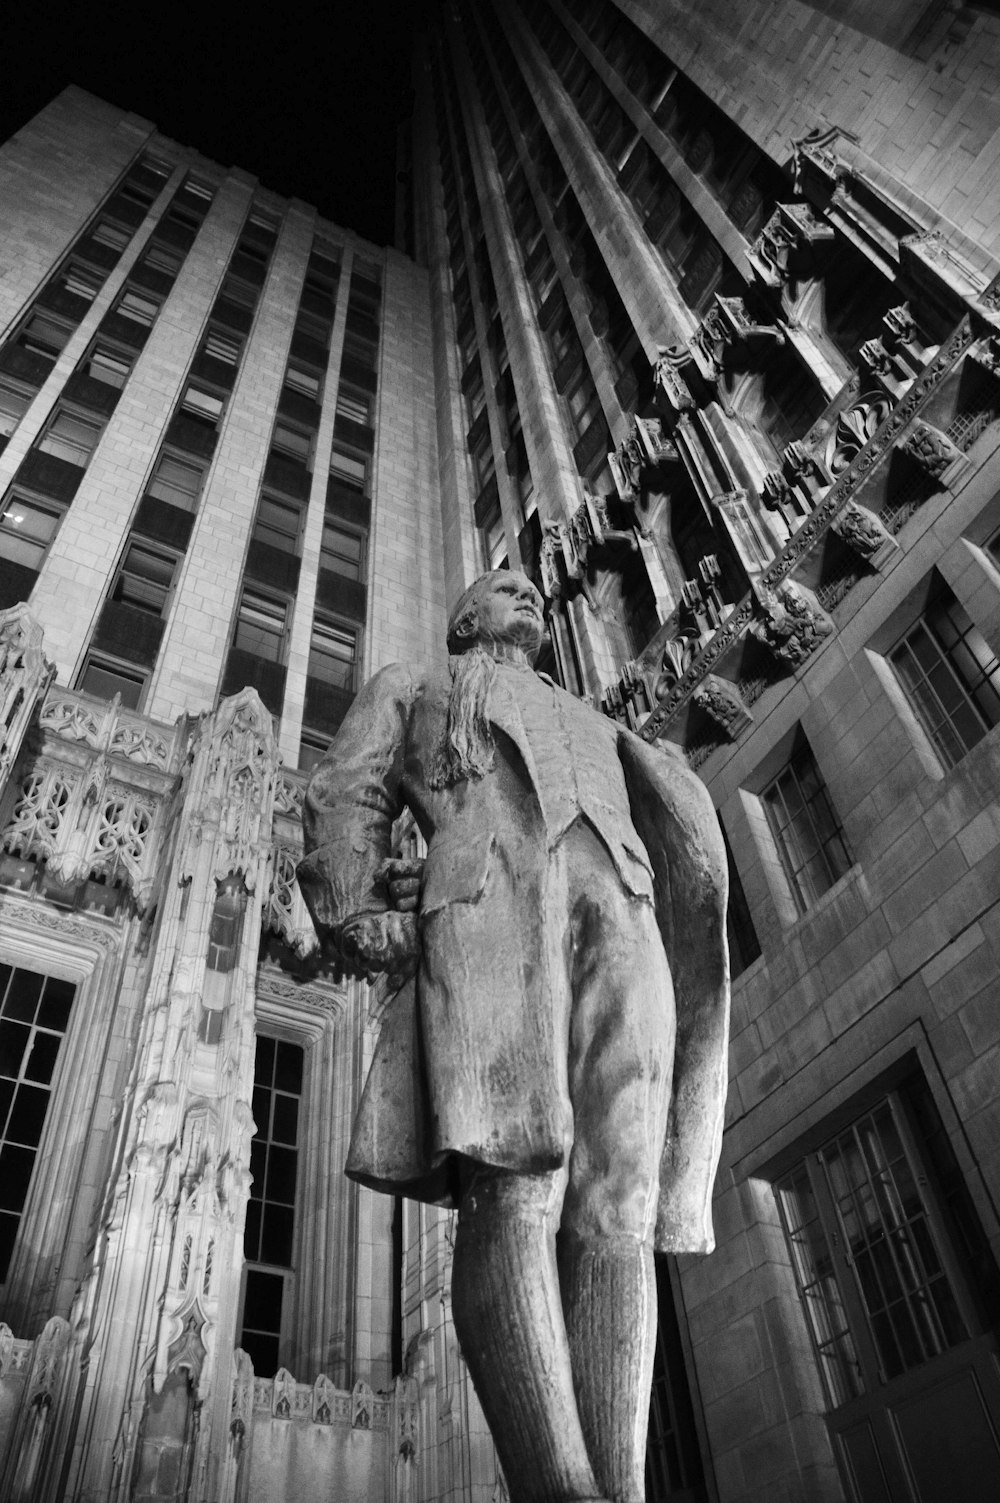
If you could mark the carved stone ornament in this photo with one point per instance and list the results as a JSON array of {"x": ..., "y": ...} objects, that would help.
[
  {"x": 499, "y": 894},
  {"x": 855, "y": 429},
  {"x": 987, "y": 354},
  {"x": 669, "y": 380},
  {"x": 230, "y": 794},
  {"x": 862, "y": 531},
  {"x": 241, "y": 1414},
  {"x": 109, "y": 728},
  {"x": 934, "y": 452},
  {"x": 324, "y": 1400},
  {"x": 551, "y": 560},
  {"x": 25, "y": 675},
  {"x": 816, "y": 149},
  {"x": 790, "y": 625},
  {"x": 721, "y": 700},
  {"x": 790, "y": 234},
  {"x": 362, "y": 1406},
  {"x": 646, "y": 448},
  {"x": 286, "y": 913}
]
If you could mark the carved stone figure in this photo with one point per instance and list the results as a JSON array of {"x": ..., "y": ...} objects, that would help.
[{"x": 555, "y": 1066}]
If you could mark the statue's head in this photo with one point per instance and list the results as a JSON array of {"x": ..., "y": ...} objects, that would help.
[{"x": 502, "y": 606}]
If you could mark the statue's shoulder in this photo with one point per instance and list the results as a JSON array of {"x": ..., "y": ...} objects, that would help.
[{"x": 408, "y": 682}]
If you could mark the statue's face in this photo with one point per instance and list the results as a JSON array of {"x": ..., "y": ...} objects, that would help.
[{"x": 509, "y": 609}]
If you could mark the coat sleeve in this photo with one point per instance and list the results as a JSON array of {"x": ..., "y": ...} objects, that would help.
[
  {"x": 354, "y": 795},
  {"x": 677, "y": 822}
]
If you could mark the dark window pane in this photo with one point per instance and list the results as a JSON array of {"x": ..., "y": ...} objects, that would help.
[
  {"x": 27, "y": 1117},
  {"x": 262, "y": 1351},
  {"x": 251, "y": 1239},
  {"x": 281, "y": 1174},
  {"x": 13, "y": 1043},
  {"x": 276, "y": 1243},
  {"x": 262, "y": 1306},
  {"x": 264, "y": 1068},
  {"x": 8, "y": 1232},
  {"x": 286, "y": 1119},
  {"x": 22, "y": 995},
  {"x": 41, "y": 1061},
  {"x": 56, "y": 1004},
  {"x": 288, "y": 1074},
  {"x": 258, "y": 1162},
  {"x": 16, "y": 1165}
]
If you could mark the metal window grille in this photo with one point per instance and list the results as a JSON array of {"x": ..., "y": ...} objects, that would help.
[
  {"x": 807, "y": 834},
  {"x": 872, "y": 1255}
]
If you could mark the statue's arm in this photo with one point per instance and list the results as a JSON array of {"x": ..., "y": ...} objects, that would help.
[{"x": 353, "y": 798}]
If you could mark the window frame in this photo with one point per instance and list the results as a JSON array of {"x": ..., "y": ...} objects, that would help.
[
  {"x": 358, "y": 535},
  {"x": 118, "y": 669},
  {"x": 358, "y": 464},
  {"x": 121, "y": 591},
  {"x": 326, "y": 620},
  {"x": 184, "y": 462},
  {"x": 55, "y": 447},
  {"x": 263, "y": 600},
  {"x": 803, "y": 899},
  {"x": 57, "y": 509}
]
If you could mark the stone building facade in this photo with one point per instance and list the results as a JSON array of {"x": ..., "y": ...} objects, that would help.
[{"x": 700, "y": 325}]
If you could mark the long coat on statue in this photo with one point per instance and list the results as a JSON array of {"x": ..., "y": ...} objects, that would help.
[{"x": 470, "y": 1059}]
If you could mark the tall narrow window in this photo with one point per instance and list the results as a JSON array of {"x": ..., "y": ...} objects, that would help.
[
  {"x": 805, "y": 828},
  {"x": 342, "y": 551},
  {"x": 270, "y": 1228},
  {"x": 34, "y": 1012},
  {"x": 884, "y": 1270},
  {"x": 744, "y": 946},
  {"x": 951, "y": 676},
  {"x": 27, "y": 527},
  {"x": 13, "y": 405}
]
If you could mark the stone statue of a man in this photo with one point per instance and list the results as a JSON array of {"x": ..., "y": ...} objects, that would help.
[{"x": 556, "y": 1066}]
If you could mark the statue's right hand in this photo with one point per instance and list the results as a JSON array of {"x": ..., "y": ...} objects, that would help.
[
  {"x": 375, "y": 943},
  {"x": 404, "y": 875}
]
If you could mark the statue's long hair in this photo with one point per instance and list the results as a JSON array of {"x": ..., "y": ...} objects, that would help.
[{"x": 468, "y": 745}]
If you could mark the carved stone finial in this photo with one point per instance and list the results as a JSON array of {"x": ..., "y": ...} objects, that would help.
[
  {"x": 722, "y": 701},
  {"x": 862, "y": 531},
  {"x": 790, "y": 625}
]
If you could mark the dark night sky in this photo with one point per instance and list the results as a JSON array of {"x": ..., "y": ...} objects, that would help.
[{"x": 307, "y": 97}]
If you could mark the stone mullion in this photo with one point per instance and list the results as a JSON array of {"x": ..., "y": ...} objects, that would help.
[
  {"x": 509, "y": 502},
  {"x": 458, "y": 532},
  {"x": 659, "y": 315},
  {"x": 304, "y": 605},
  {"x": 595, "y": 354},
  {"x": 556, "y": 479}
]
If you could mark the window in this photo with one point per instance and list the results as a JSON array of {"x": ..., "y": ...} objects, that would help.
[
  {"x": 350, "y": 468},
  {"x": 27, "y": 527},
  {"x": 342, "y": 551},
  {"x": 13, "y": 405},
  {"x": 951, "y": 676},
  {"x": 137, "y": 306},
  {"x": 260, "y": 625},
  {"x": 495, "y": 538},
  {"x": 333, "y": 652},
  {"x": 42, "y": 335},
  {"x": 313, "y": 326},
  {"x": 105, "y": 677},
  {"x": 114, "y": 236},
  {"x": 144, "y": 578},
  {"x": 177, "y": 481},
  {"x": 71, "y": 438},
  {"x": 108, "y": 365},
  {"x": 203, "y": 406},
  {"x": 81, "y": 282},
  {"x": 225, "y": 347},
  {"x": 483, "y": 464},
  {"x": 584, "y": 403},
  {"x": 304, "y": 382},
  {"x": 354, "y": 405},
  {"x": 744, "y": 946},
  {"x": 270, "y": 1227},
  {"x": 293, "y": 442},
  {"x": 804, "y": 826},
  {"x": 361, "y": 350},
  {"x": 884, "y": 1238},
  {"x": 34, "y": 1013},
  {"x": 312, "y": 749},
  {"x": 278, "y": 524},
  {"x": 165, "y": 258},
  {"x": 241, "y": 293}
]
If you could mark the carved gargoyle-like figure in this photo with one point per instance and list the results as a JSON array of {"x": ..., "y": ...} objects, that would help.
[{"x": 790, "y": 626}]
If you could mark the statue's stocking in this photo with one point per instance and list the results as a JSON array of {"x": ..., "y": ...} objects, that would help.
[
  {"x": 509, "y": 1320},
  {"x": 609, "y": 1299}
]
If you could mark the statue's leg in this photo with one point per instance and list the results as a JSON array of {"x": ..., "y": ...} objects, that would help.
[
  {"x": 509, "y": 1320},
  {"x": 621, "y": 1056}
]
